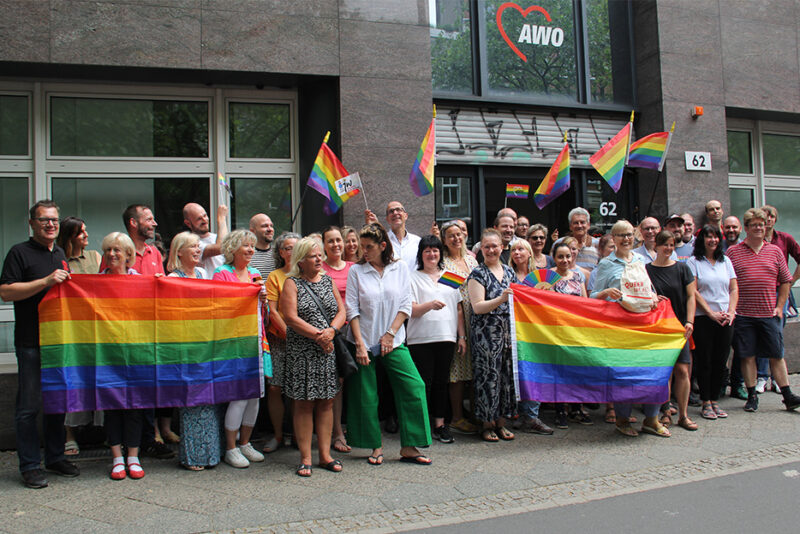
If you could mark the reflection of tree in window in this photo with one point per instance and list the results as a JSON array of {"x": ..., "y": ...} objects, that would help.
[
  {"x": 451, "y": 46},
  {"x": 549, "y": 70},
  {"x": 259, "y": 130},
  {"x": 602, "y": 88}
]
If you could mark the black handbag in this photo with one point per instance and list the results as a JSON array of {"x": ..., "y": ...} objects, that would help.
[{"x": 345, "y": 361}]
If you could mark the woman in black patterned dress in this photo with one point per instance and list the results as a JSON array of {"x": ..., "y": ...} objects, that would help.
[{"x": 310, "y": 376}]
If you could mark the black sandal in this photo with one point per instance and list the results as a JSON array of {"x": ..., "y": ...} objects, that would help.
[
  {"x": 331, "y": 466},
  {"x": 303, "y": 467}
]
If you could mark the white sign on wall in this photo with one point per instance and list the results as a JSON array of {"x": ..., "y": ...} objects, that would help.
[{"x": 698, "y": 161}]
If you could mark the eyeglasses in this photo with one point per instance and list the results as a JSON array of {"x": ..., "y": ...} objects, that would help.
[
  {"x": 536, "y": 238},
  {"x": 624, "y": 236},
  {"x": 45, "y": 220},
  {"x": 395, "y": 210}
]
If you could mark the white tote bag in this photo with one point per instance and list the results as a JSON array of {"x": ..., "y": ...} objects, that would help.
[{"x": 637, "y": 290}]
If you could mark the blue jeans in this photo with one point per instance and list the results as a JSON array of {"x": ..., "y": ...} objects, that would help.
[
  {"x": 29, "y": 403},
  {"x": 529, "y": 408}
]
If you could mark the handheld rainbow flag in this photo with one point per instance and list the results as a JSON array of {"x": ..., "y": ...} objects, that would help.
[
  {"x": 124, "y": 342},
  {"x": 223, "y": 183},
  {"x": 541, "y": 278},
  {"x": 556, "y": 181},
  {"x": 517, "y": 190},
  {"x": 574, "y": 349},
  {"x": 610, "y": 160},
  {"x": 650, "y": 151},
  {"x": 326, "y": 172},
  {"x": 451, "y": 279},
  {"x": 421, "y": 178}
]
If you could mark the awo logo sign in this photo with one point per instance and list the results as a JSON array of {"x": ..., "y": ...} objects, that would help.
[{"x": 533, "y": 34}]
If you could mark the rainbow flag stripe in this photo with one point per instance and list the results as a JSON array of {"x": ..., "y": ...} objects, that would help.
[
  {"x": 327, "y": 169},
  {"x": 555, "y": 182},
  {"x": 119, "y": 342},
  {"x": 451, "y": 279},
  {"x": 421, "y": 178},
  {"x": 517, "y": 190},
  {"x": 648, "y": 151},
  {"x": 573, "y": 349},
  {"x": 609, "y": 161}
]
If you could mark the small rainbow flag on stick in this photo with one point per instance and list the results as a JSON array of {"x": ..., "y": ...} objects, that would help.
[
  {"x": 573, "y": 349},
  {"x": 451, "y": 279},
  {"x": 650, "y": 151},
  {"x": 421, "y": 178},
  {"x": 325, "y": 174},
  {"x": 610, "y": 160},
  {"x": 556, "y": 181},
  {"x": 541, "y": 278},
  {"x": 223, "y": 183},
  {"x": 517, "y": 190}
]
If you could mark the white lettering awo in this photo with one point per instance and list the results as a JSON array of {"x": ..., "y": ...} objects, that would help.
[{"x": 541, "y": 35}]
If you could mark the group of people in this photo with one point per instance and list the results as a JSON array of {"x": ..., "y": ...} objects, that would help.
[{"x": 418, "y": 343}]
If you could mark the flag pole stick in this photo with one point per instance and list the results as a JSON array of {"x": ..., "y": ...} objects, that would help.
[
  {"x": 660, "y": 168},
  {"x": 505, "y": 203},
  {"x": 364, "y": 194},
  {"x": 305, "y": 190}
]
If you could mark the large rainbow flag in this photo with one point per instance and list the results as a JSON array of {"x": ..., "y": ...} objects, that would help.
[
  {"x": 326, "y": 172},
  {"x": 421, "y": 178},
  {"x": 117, "y": 342},
  {"x": 650, "y": 151},
  {"x": 574, "y": 349},
  {"x": 610, "y": 160},
  {"x": 556, "y": 181}
]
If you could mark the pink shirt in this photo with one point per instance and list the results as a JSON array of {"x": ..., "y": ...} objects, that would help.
[{"x": 339, "y": 277}]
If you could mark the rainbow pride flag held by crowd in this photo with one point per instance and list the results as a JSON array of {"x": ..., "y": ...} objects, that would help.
[
  {"x": 517, "y": 190},
  {"x": 610, "y": 160},
  {"x": 118, "y": 342},
  {"x": 326, "y": 172},
  {"x": 556, "y": 181},
  {"x": 574, "y": 349},
  {"x": 650, "y": 151},
  {"x": 421, "y": 178}
]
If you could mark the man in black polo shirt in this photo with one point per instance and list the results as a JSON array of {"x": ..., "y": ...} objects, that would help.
[{"x": 30, "y": 269}]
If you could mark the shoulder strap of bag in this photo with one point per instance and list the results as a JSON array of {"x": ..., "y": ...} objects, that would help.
[{"x": 315, "y": 298}]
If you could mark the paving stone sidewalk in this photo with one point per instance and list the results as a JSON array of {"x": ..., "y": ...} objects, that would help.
[{"x": 469, "y": 480}]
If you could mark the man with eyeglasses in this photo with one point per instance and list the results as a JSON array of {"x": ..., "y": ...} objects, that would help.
[
  {"x": 757, "y": 330},
  {"x": 29, "y": 270},
  {"x": 404, "y": 243},
  {"x": 521, "y": 228},
  {"x": 650, "y": 228}
]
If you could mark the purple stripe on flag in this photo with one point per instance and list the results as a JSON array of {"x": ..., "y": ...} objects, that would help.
[
  {"x": 595, "y": 393},
  {"x": 77, "y": 400}
]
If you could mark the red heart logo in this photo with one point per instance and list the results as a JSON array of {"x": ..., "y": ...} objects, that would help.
[{"x": 524, "y": 13}]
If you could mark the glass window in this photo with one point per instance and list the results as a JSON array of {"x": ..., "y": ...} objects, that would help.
[
  {"x": 105, "y": 127},
  {"x": 259, "y": 130},
  {"x": 532, "y": 55},
  {"x": 453, "y": 198},
  {"x": 13, "y": 125},
  {"x": 14, "y": 214},
  {"x": 101, "y": 201},
  {"x": 781, "y": 154},
  {"x": 7, "y": 337},
  {"x": 608, "y": 27},
  {"x": 272, "y": 196},
  {"x": 740, "y": 158},
  {"x": 741, "y": 201},
  {"x": 451, "y": 45}
]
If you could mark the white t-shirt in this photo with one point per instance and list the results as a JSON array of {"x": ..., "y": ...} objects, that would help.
[
  {"x": 436, "y": 325},
  {"x": 713, "y": 282},
  {"x": 211, "y": 264}
]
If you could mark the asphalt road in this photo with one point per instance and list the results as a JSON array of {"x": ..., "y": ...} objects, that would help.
[{"x": 763, "y": 500}]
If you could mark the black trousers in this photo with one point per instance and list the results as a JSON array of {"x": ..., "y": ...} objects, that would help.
[
  {"x": 712, "y": 344},
  {"x": 433, "y": 363},
  {"x": 124, "y": 427}
]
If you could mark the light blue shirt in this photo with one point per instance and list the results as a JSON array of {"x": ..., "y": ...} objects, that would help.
[
  {"x": 647, "y": 258},
  {"x": 609, "y": 271},
  {"x": 685, "y": 251},
  {"x": 713, "y": 282}
]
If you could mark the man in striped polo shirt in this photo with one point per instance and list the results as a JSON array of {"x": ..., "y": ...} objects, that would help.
[{"x": 757, "y": 329}]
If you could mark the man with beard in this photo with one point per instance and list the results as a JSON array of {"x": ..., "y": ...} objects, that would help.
[
  {"x": 196, "y": 219},
  {"x": 731, "y": 229},
  {"x": 141, "y": 226},
  {"x": 676, "y": 224},
  {"x": 505, "y": 225},
  {"x": 264, "y": 257}
]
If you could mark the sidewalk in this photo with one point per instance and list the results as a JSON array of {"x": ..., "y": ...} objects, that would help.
[{"x": 468, "y": 480}]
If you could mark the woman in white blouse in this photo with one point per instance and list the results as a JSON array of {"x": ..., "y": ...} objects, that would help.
[
  {"x": 378, "y": 303},
  {"x": 716, "y": 296}
]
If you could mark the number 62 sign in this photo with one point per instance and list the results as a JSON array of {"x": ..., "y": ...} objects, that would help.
[{"x": 698, "y": 161}]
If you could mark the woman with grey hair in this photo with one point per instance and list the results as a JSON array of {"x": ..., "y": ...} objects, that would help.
[
  {"x": 276, "y": 335},
  {"x": 238, "y": 248}
]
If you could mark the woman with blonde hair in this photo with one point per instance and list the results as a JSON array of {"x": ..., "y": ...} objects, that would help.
[
  {"x": 185, "y": 256},
  {"x": 238, "y": 248},
  {"x": 459, "y": 260},
  {"x": 352, "y": 245}
]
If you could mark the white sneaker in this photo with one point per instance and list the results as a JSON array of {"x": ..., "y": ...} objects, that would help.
[
  {"x": 251, "y": 454},
  {"x": 775, "y": 387},
  {"x": 761, "y": 385},
  {"x": 234, "y": 458}
]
